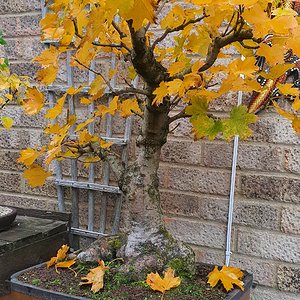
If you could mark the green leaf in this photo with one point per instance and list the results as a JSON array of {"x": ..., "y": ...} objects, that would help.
[
  {"x": 2, "y": 41},
  {"x": 238, "y": 122},
  {"x": 198, "y": 106},
  {"x": 204, "y": 126}
]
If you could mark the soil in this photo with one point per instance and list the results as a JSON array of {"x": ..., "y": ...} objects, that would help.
[{"x": 118, "y": 287}]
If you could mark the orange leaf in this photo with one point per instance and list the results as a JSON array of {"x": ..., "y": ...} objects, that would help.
[
  {"x": 36, "y": 175},
  {"x": 52, "y": 113},
  {"x": 28, "y": 156},
  {"x": 34, "y": 102},
  {"x": 157, "y": 283},
  {"x": 95, "y": 277},
  {"x": 127, "y": 107},
  {"x": 47, "y": 75},
  {"x": 228, "y": 276},
  {"x": 48, "y": 57}
]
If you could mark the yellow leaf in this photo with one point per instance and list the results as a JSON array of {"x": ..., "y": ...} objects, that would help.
[
  {"x": 111, "y": 109},
  {"x": 228, "y": 276},
  {"x": 296, "y": 104},
  {"x": 127, "y": 107},
  {"x": 34, "y": 102},
  {"x": 157, "y": 283},
  {"x": 141, "y": 10},
  {"x": 82, "y": 125},
  {"x": 131, "y": 73},
  {"x": 36, "y": 175},
  {"x": 104, "y": 144},
  {"x": 65, "y": 264},
  {"x": 296, "y": 124},
  {"x": 283, "y": 24},
  {"x": 123, "y": 6},
  {"x": 160, "y": 93},
  {"x": 276, "y": 56},
  {"x": 47, "y": 75},
  {"x": 52, "y": 128},
  {"x": 73, "y": 91},
  {"x": 85, "y": 101},
  {"x": 59, "y": 260},
  {"x": 48, "y": 57},
  {"x": 283, "y": 113},
  {"x": 288, "y": 89},
  {"x": 7, "y": 122},
  {"x": 176, "y": 67},
  {"x": 284, "y": 11},
  {"x": 96, "y": 85},
  {"x": 52, "y": 113},
  {"x": 28, "y": 156},
  {"x": 95, "y": 277}
]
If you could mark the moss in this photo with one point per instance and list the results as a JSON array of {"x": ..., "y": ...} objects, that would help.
[
  {"x": 115, "y": 244},
  {"x": 165, "y": 233},
  {"x": 181, "y": 266}
]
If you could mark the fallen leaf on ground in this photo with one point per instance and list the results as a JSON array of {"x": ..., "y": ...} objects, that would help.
[
  {"x": 228, "y": 276},
  {"x": 59, "y": 260},
  {"x": 157, "y": 283},
  {"x": 95, "y": 277}
]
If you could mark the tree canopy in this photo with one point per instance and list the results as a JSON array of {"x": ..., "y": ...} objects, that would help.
[{"x": 186, "y": 53}]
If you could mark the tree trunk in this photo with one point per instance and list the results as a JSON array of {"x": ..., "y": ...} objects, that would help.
[{"x": 149, "y": 246}]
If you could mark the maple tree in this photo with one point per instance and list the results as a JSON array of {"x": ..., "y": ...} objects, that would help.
[{"x": 177, "y": 81}]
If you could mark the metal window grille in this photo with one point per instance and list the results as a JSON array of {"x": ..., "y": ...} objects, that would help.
[{"x": 74, "y": 183}]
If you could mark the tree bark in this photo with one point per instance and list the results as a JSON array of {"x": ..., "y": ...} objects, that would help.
[{"x": 149, "y": 246}]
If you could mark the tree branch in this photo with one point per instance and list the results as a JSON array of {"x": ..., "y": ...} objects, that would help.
[
  {"x": 143, "y": 59},
  {"x": 180, "y": 115},
  {"x": 217, "y": 44},
  {"x": 121, "y": 45},
  {"x": 121, "y": 33},
  {"x": 114, "y": 162},
  {"x": 178, "y": 28}
]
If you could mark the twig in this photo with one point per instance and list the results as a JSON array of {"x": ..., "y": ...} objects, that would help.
[
  {"x": 180, "y": 115},
  {"x": 178, "y": 28},
  {"x": 121, "y": 45}
]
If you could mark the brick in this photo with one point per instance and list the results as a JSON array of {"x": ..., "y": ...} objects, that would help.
[
  {"x": 14, "y": 139},
  {"x": 23, "y": 48},
  {"x": 274, "y": 129},
  {"x": 8, "y": 161},
  {"x": 271, "y": 188},
  {"x": 262, "y": 293},
  {"x": 250, "y": 157},
  {"x": 208, "y": 255},
  {"x": 292, "y": 160},
  {"x": 28, "y": 202},
  {"x": 183, "y": 128},
  {"x": 257, "y": 215},
  {"x": 48, "y": 189},
  {"x": 188, "y": 152},
  {"x": 10, "y": 182},
  {"x": 194, "y": 206},
  {"x": 269, "y": 245},
  {"x": 24, "y": 69},
  {"x": 18, "y": 6},
  {"x": 19, "y": 25},
  {"x": 197, "y": 233},
  {"x": 289, "y": 279},
  {"x": 23, "y": 120},
  {"x": 224, "y": 103},
  {"x": 195, "y": 180},
  {"x": 264, "y": 272},
  {"x": 290, "y": 222}
]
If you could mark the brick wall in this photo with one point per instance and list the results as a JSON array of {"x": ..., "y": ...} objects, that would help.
[{"x": 195, "y": 179}]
